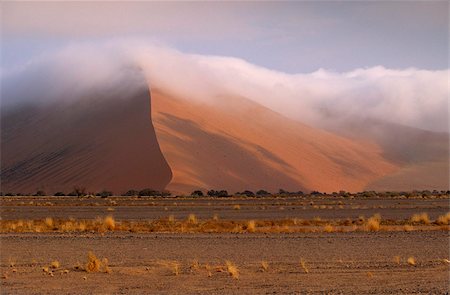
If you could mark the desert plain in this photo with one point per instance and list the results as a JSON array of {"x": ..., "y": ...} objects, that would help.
[{"x": 236, "y": 245}]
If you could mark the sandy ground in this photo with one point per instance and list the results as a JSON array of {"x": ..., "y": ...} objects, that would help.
[
  {"x": 349, "y": 263},
  {"x": 337, "y": 263}
]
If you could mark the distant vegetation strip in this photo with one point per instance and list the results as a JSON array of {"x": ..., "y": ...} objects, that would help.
[
  {"x": 148, "y": 192},
  {"x": 215, "y": 225}
]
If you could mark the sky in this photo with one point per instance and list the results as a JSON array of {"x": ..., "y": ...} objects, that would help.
[
  {"x": 316, "y": 62},
  {"x": 291, "y": 37}
]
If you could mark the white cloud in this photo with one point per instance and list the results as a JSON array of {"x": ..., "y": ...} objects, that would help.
[{"x": 412, "y": 97}]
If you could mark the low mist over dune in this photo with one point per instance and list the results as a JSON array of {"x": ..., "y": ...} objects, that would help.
[{"x": 82, "y": 117}]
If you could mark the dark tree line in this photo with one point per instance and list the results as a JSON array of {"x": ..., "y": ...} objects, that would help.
[{"x": 79, "y": 191}]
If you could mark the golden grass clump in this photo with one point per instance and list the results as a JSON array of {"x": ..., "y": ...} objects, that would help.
[
  {"x": 11, "y": 262},
  {"x": 411, "y": 261},
  {"x": 396, "y": 259},
  {"x": 171, "y": 219},
  {"x": 421, "y": 218},
  {"x": 93, "y": 264},
  {"x": 264, "y": 265},
  {"x": 443, "y": 219},
  {"x": 195, "y": 265},
  {"x": 303, "y": 265},
  {"x": 175, "y": 268},
  {"x": 237, "y": 207},
  {"x": 109, "y": 223},
  {"x": 373, "y": 223},
  {"x": 251, "y": 226},
  {"x": 55, "y": 264},
  {"x": 232, "y": 269},
  {"x": 192, "y": 219},
  {"x": 208, "y": 270},
  {"x": 48, "y": 222},
  {"x": 328, "y": 228},
  {"x": 106, "y": 267}
]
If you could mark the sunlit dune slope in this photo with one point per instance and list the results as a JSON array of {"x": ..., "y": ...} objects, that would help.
[
  {"x": 237, "y": 144},
  {"x": 103, "y": 141}
]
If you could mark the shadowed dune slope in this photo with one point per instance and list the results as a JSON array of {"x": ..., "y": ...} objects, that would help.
[
  {"x": 100, "y": 142},
  {"x": 237, "y": 144}
]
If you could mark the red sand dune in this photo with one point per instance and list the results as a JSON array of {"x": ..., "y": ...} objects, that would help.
[
  {"x": 237, "y": 144},
  {"x": 117, "y": 143}
]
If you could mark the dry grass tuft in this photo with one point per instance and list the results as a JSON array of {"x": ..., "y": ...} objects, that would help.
[
  {"x": 11, "y": 262},
  {"x": 396, "y": 259},
  {"x": 48, "y": 222},
  {"x": 192, "y": 219},
  {"x": 303, "y": 265},
  {"x": 109, "y": 222},
  {"x": 195, "y": 265},
  {"x": 411, "y": 261},
  {"x": 232, "y": 269},
  {"x": 176, "y": 268},
  {"x": 421, "y": 218},
  {"x": 237, "y": 207},
  {"x": 328, "y": 228},
  {"x": 93, "y": 264},
  {"x": 264, "y": 265},
  {"x": 173, "y": 266},
  {"x": 251, "y": 226},
  {"x": 55, "y": 264},
  {"x": 373, "y": 223},
  {"x": 443, "y": 219},
  {"x": 369, "y": 274},
  {"x": 171, "y": 219},
  {"x": 106, "y": 267},
  {"x": 208, "y": 270}
]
